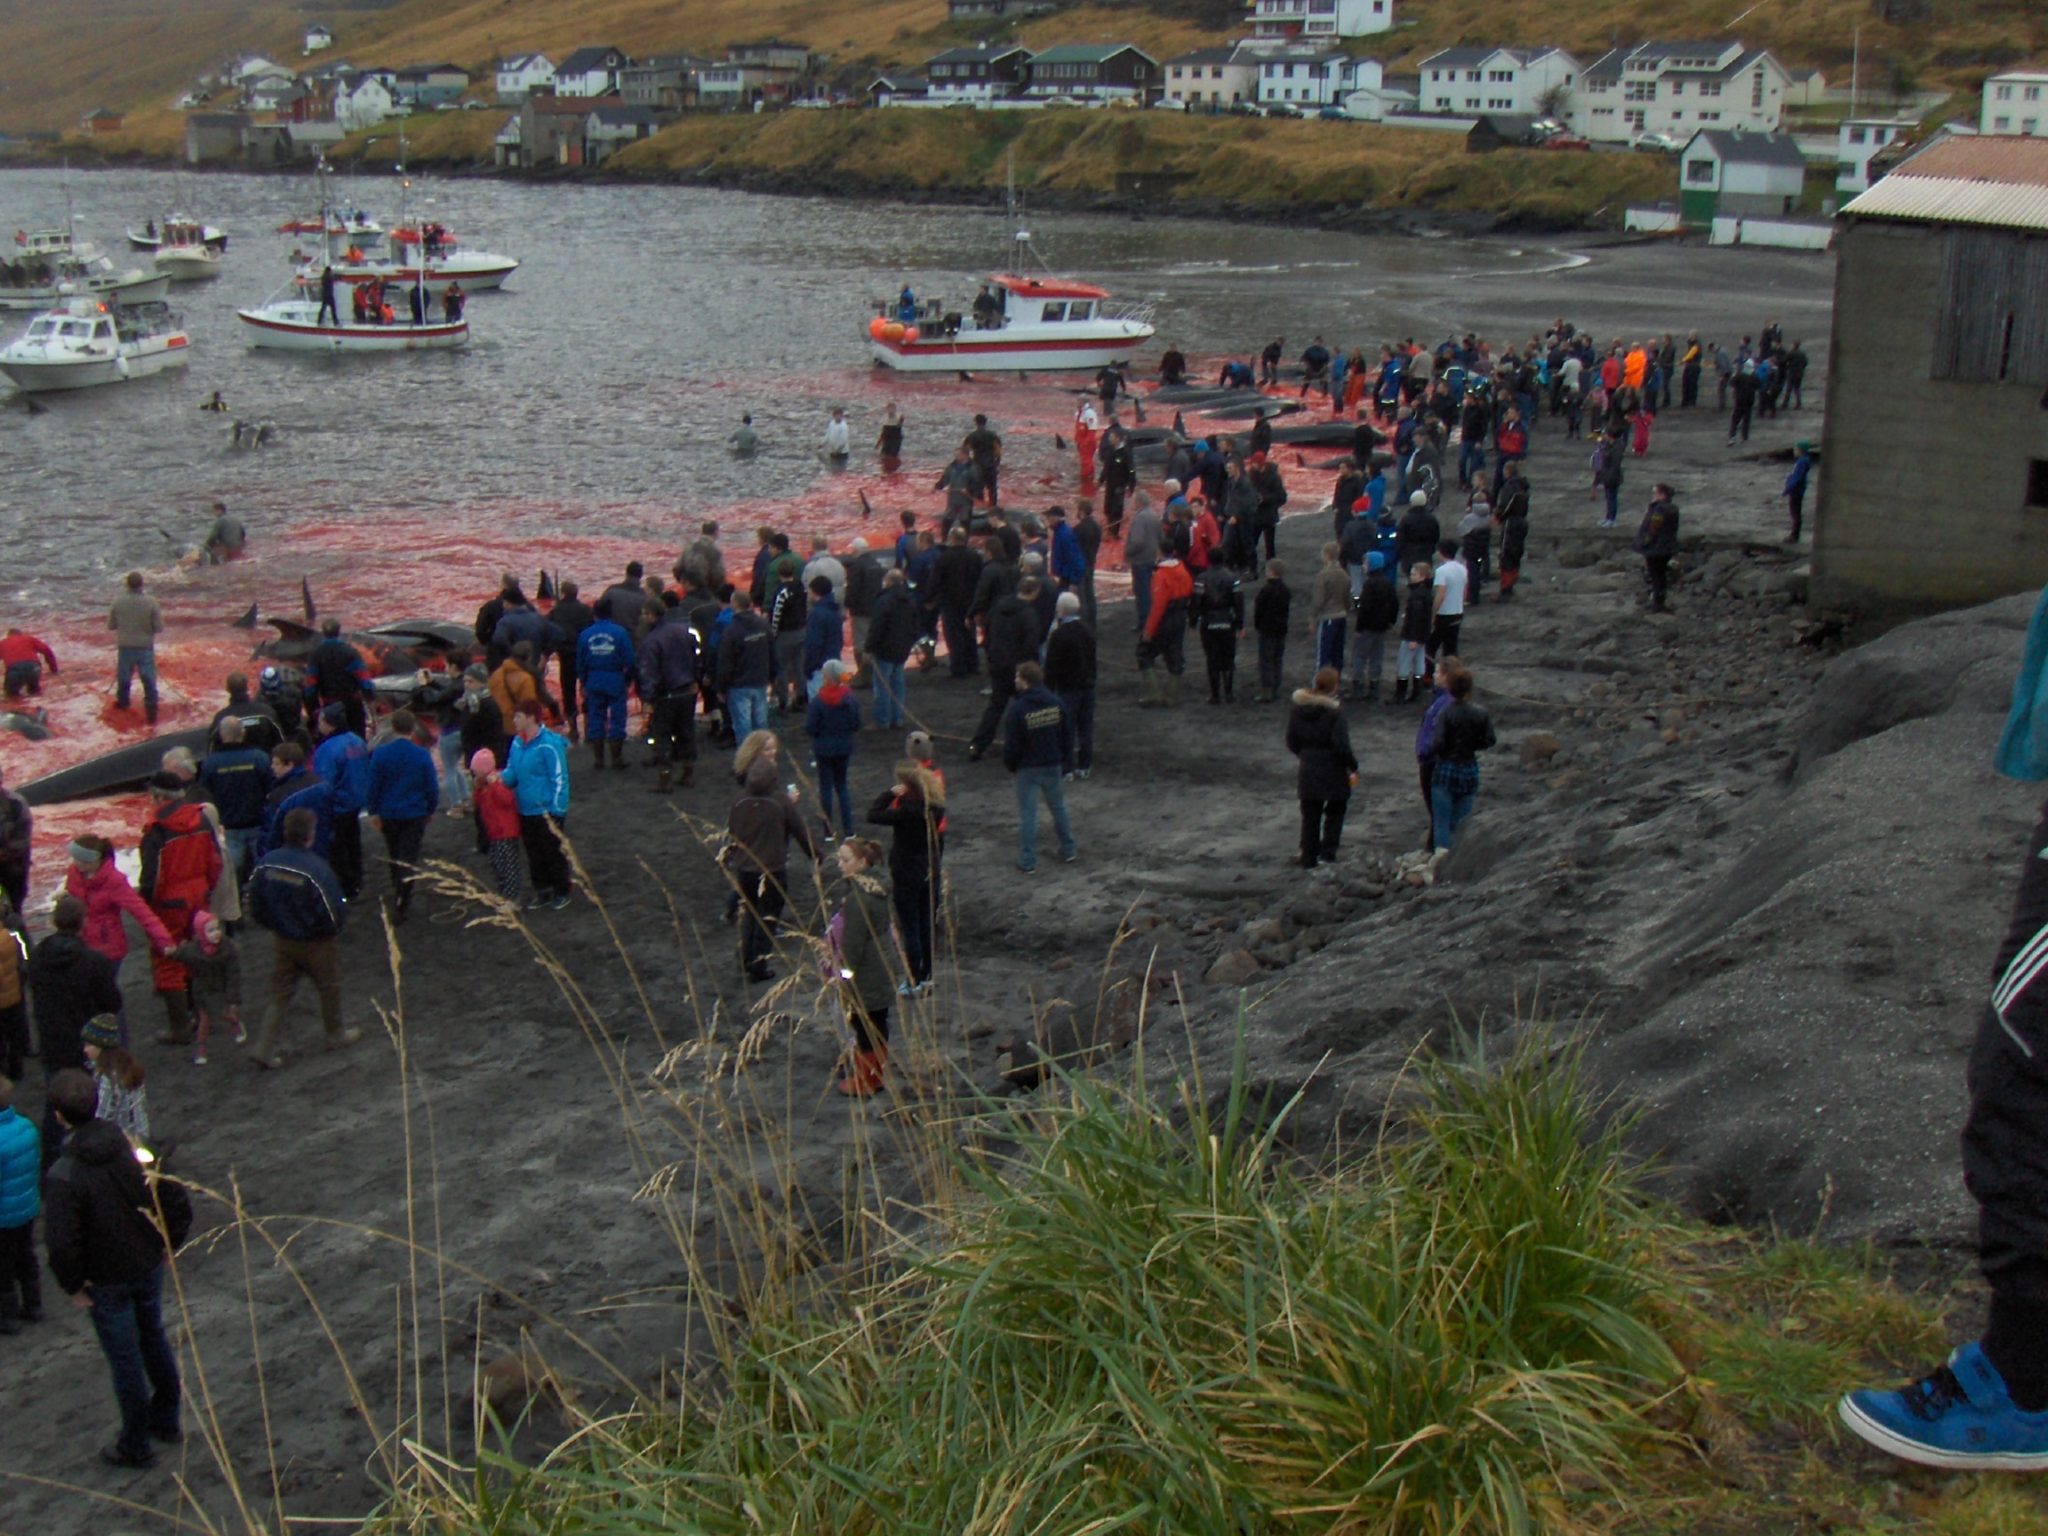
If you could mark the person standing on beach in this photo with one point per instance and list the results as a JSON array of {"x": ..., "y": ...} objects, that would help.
[
  {"x": 1463, "y": 731},
  {"x": 404, "y": 792},
  {"x": 1038, "y": 747},
  {"x": 669, "y": 670},
  {"x": 570, "y": 617},
  {"x": 136, "y": 620},
  {"x": 342, "y": 765},
  {"x": 860, "y": 936},
  {"x": 537, "y": 771},
  {"x": 604, "y": 661},
  {"x": 293, "y": 893},
  {"x": 1795, "y": 489},
  {"x": 762, "y": 824},
  {"x": 1447, "y": 602},
  {"x": 1328, "y": 768},
  {"x": 1657, "y": 543}
]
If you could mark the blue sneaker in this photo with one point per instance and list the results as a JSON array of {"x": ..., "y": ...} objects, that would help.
[{"x": 1961, "y": 1416}]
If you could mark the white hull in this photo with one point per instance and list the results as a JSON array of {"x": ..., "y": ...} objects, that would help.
[
  {"x": 216, "y": 240},
  {"x": 32, "y": 376},
  {"x": 127, "y": 288},
  {"x": 293, "y": 326},
  {"x": 187, "y": 264},
  {"x": 477, "y": 274},
  {"x": 1012, "y": 348}
]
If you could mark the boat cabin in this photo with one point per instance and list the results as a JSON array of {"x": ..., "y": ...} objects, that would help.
[{"x": 79, "y": 327}]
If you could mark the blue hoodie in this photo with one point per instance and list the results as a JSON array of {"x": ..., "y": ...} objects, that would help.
[
  {"x": 538, "y": 773},
  {"x": 21, "y": 1170},
  {"x": 824, "y": 634},
  {"x": 405, "y": 784},
  {"x": 342, "y": 761}
]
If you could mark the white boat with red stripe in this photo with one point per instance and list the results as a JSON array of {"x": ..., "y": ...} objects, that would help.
[
  {"x": 87, "y": 342},
  {"x": 298, "y": 325},
  {"x": 1017, "y": 321}
]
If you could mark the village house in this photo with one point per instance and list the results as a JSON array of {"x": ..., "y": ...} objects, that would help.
[
  {"x": 246, "y": 71},
  {"x": 2014, "y": 103},
  {"x": 423, "y": 87},
  {"x": 1675, "y": 88},
  {"x": 1534, "y": 82},
  {"x": 1312, "y": 81},
  {"x": 772, "y": 53},
  {"x": 508, "y": 145},
  {"x": 1212, "y": 78},
  {"x": 590, "y": 72},
  {"x": 363, "y": 102},
  {"x": 897, "y": 90},
  {"x": 551, "y": 129},
  {"x": 1940, "y": 338},
  {"x": 996, "y": 10},
  {"x": 212, "y": 136},
  {"x": 977, "y": 75},
  {"x": 608, "y": 129},
  {"x": 519, "y": 76},
  {"x": 1093, "y": 72},
  {"x": 665, "y": 83},
  {"x": 318, "y": 40},
  {"x": 1858, "y": 141},
  {"x": 1319, "y": 21},
  {"x": 101, "y": 120},
  {"x": 732, "y": 86},
  {"x": 1745, "y": 174}
]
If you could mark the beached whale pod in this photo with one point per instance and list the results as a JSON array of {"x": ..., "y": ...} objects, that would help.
[{"x": 877, "y": 327}]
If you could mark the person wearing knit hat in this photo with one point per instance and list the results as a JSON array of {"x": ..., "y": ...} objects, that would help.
[{"x": 101, "y": 1031}]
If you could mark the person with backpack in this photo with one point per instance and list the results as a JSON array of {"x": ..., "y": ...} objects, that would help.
[
  {"x": 108, "y": 1227},
  {"x": 1373, "y": 615},
  {"x": 1219, "y": 602}
]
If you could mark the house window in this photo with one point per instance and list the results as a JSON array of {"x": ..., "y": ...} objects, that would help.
[
  {"x": 1636, "y": 120},
  {"x": 1497, "y": 76},
  {"x": 1472, "y": 77},
  {"x": 1699, "y": 173},
  {"x": 2030, "y": 125},
  {"x": 2037, "y": 484},
  {"x": 1756, "y": 88},
  {"x": 1215, "y": 71},
  {"x": 2005, "y": 93},
  {"x": 1856, "y": 135},
  {"x": 1640, "y": 90},
  {"x": 2000, "y": 124},
  {"x": 1710, "y": 88},
  {"x": 1501, "y": 103},
  {"x": 1678, "y": 87}
]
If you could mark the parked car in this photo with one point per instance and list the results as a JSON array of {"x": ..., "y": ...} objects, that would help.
[
  {"x": 1546, "y": 128},
  {"x": 1655, "y": 144},
  {"x": 1334, "y": 115},
  {"x": 1565, "y": 141},
  {"x": 1282, "y": 109}
]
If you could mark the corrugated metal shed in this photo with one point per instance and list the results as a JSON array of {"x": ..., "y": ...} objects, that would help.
[
  {"x": 2015, "y": 159},
  {"x": 1952, "y": 200}
]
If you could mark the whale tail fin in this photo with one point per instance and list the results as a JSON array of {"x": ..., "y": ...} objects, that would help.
[
  {"x": 545, "y": 589},
  {"x": 248, "y": 620},
  {"x": 867, "y": 508}
]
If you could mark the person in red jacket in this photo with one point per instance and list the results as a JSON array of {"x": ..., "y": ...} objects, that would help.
[
  {"x": 181, "y": 863},
  {"x": 497, "y": 822},
  {"x": 1203, "y": 538},
  {"x": 23, "y": 657},
  {"x": 1166, "y": 632}
]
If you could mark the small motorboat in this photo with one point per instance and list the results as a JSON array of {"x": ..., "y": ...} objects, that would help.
[
  {"x": 49, "y": 267},
  {"x": 350, "y": 225},
  {"x": 149, "y": 237},
  {"x": 1034, "y": 323},
  {"x": 476, "y": 271},
  {"x": 89, "y": 342},
  {"x": 295, "y": 324},
  {"x": 183, "y": 254}
]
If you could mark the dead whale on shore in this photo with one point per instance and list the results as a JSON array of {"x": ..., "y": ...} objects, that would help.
[
  {"x": 35, "y": 727},
  {"x": 401, "y": 646},
  {"x": 111, "y": 773}
]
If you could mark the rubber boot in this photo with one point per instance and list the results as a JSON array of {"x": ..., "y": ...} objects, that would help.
[
  {"x": 597, "y": 755},
  {"x": 664, "y": 783},
  {"x": 619, "y": 755},
  {"x": 689, "y": 774},
  {"x": 149, "y": 711},
  {"x": 1150, "y": 694},
  {"x": 177, "y": 1019},
  {"x": 863, "y": 1076},
  {"x": 1400, "y": 690},
  {"x": 1172, "y": 691}
]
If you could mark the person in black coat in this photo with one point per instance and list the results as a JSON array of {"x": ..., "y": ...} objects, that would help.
[
  {"x": 914, "y": 809},
  {"x": 69, "y": 982},
  {"x": 1328, "y": 768},
  {"x": 1013, "y": 636},
  {"x": 955, "y": 577},
  {"x": 1070, "y": 673}
]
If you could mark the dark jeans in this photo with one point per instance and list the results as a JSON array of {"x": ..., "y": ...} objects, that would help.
[
  {"x": 21, "y": 1283},
  {"x": 345, "y": 854},
  {"x": 1002, "y": 687},
  {"x": 1141, "y": 592},
  {"x": 1080, "y": 704},
  {"x": 1443, "y": 639},
  {"x": 402, "y": 838},
  {"x": 1428, "y": 769},
  {"x": 1322, "y": 824},
  {"x": 1272, "y": 656},
  {"x": 1659, "y": 569},
  {"x": 959, "y": 639},
  {"x": 546, "y": 865},
  {"x": 673, "y": 727},
  {"x": 762, "y": 899},
  {"x": 831, "y": 787},
  {"x": 14, "y": 881},
  {"x": 1795, "y": 503},
  {"x": 1219, "y": 655},
  {"x": 913, "y": 905},
  {"x": 24, "y": 677},
  {"x": 129, "y": 1321},
  {"x": 1689, "y": 386},
  {"x": 1738, "y": 423},
  {"x": 13, "y": 1037}
]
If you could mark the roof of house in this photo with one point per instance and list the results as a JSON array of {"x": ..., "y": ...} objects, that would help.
[
  {"x": 217, "y": 120},
  {"x": 1089, "y": 53},
  {"x": 1209, "y": 56},
  {"x": 898, "y": 85},
  {"x": 545, "y": 103},
  {"x": 624, "y": 117},
  {"x": 583, "y": 60},
  {"x": 1508, "y": 125},
  {"x": 102, "y": 112},
  {"x": 1993, "y": 179},
  {"x": 1328, "y": 56},
  {"x": 2019, "y": 74},
  {"x": 1607, "y": 68},
  {"x": 972, "y": 55},
  {"x": 1466, "y": 58},
  {"x": 1737, "y": 148},
  {"x": 525, "y": 61},
  {"x": 433, "y": 69},
  {"x": 1690, "y": 48}
]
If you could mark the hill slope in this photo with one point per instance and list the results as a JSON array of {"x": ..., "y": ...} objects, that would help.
[{"x": 62, "y": 61}]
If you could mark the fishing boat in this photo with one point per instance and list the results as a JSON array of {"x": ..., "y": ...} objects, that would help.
[
  {"x": 350, "y": 225},
  {"x": 88, "y": 342},
  {"x": 149, "y": 237},
  {"x": 427, "y": 254},
  {"x": 294, "y": 323},
  {"x": 49, "y": 266},
  {"x": 183, "y": 254}
]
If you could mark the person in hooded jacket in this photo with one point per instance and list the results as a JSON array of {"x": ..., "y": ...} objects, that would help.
[
  {"x": 1511, "y": 516},
  {"x": 97, "y": 881},
  {"x": 762, "y": 825},
  {"x": 913, "y": 808},
  {"x": 1463, "y": 731},
  {"x": 1013, "y": 638},
  {"x": 859, "y": 932},
  {"x": 668, "y": 682},
  {"x": 832, "y": 719},
  {"x": 892, "y": 634},
  {"x": 1219, "y": 609},
  {"x": 336, "y": 674},
  {"x": 1418, "y": 535},
  {"x": 69, "y": 982},
  {"x": 604, "y": 661},
  {"x": 342, "y": 763},
  {"x": 105, "y": 1224},
  {"x": 570, "y": 617},
  {"x": 1327, "y": 768},
  {"x": 181, "y": 861},
  {"x": 536, "y": 769},
  {"x": 1373, "y": 616},
  {"x": 824, "y": 634}
]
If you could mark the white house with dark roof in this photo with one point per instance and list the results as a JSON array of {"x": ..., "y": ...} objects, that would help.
[
  {"x": 1482, "y": 79},
  {"x": 978, "y": 75},
  {"x": 1093, "y": 72},
  {"x": 1319, "y": 21},
  {"x": 1679, "y": 88},
  {"x": 2015, "y": 102},
  {"x": 519, "y": 76},
  {"x": 1213, "y": 77},
  {"x": 318, "y": 38},
  {"x": 1314, "y": 80},
  {"x": 1732, "y": 172},
  {"x": 590, "y": 72}
]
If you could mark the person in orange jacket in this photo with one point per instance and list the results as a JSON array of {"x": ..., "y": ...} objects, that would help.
[{"x": 1166, "y": 633}]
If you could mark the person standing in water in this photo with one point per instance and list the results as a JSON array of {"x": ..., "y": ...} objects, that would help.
[
  {"x": 745, "y": 442},
  {"x": 889, "y": 442},
  {"x": 838, "y": 438}
]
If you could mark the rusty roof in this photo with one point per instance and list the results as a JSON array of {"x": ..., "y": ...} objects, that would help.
[{"x": 2013, "y": 159}]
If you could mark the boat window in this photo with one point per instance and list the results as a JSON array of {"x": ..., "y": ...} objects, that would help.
[
  {"x": 101, "y": 331},
  {"x": 1053, "y": 313},
  {"x": 41, "y": 330},
  {"x": 1081, "y": 310},
  {"x": 77, "y": 328}
]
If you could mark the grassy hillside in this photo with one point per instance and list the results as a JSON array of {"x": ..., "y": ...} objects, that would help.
[{"x": 62, "y": 60}]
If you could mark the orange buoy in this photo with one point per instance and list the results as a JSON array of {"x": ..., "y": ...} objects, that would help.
[
  {"x": 909, "y": 334},
  {"x": 877, "y": 326},
  {"x": 893, "y": 331}
]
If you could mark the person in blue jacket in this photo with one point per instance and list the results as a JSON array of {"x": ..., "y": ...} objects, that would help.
[
  {"x": 831, "y": 719},
  {"x": 21, "y": 1199},
  {"x": 342, "y": 763},
  {"x": 604, "y": 662},
  {"x": 1069, "y": 564},
  {"x": 295, "y": 787},
  {"x": 294, "y": 893},
  {"x": 1795, "y": 489},
  {"x": 824, "y": 634},
  {"x": 537, "y": 772},
  {"x": 404, "y": 793}
]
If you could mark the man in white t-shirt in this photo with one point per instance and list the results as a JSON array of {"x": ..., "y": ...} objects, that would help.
[{"x": 1446, "y": 603}]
